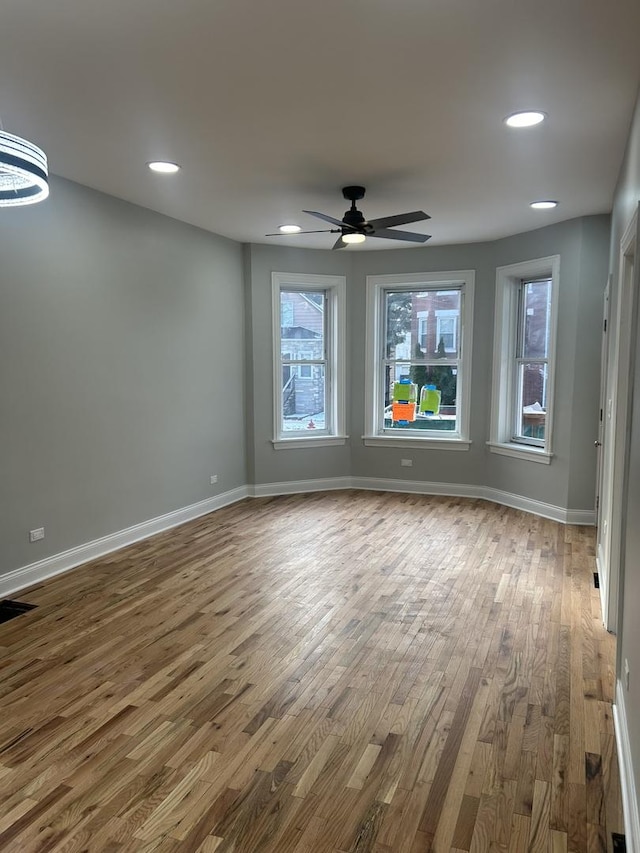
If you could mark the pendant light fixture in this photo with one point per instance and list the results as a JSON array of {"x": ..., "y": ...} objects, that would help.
[{"x": 24, "y": 175}]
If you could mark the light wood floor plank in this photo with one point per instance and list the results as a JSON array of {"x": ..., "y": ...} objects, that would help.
[{"x": 347, "y": 672}]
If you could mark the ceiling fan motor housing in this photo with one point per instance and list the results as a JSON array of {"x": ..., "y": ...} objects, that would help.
[{"x": 353, "y": 218}]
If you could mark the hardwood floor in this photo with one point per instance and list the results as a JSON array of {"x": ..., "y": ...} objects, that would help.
[{"x": 348, "y": 671}]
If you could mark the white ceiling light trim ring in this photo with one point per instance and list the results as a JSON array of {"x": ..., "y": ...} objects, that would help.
[{"x": 24, "y": 172}]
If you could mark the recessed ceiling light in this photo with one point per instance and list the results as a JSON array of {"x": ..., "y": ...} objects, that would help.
[
  {"x": 526, "y": 118},
  {"x": 164, "y": 166},
  {"x": 290, "y": 229},
  {"x": 353, "y": 238},
  {"x": 543, "y": 205}
]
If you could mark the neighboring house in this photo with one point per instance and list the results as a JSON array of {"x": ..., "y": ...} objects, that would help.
[{"x": 301, "y": 333}]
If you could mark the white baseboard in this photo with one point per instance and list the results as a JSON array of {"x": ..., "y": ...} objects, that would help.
[
  {"x": 627, "y": 781},
  {"x": 555, "y": 513},
  {"x": 63, "y": 562},
  {"x": 457, "y": 490},
  {"x": 294, "y": 487},
  {"x": 460, "y": 490}
]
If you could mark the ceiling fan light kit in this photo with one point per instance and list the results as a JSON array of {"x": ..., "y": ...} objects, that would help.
[
  {"x": 24, "y": 173},
  {"x": 354, "y": 228},
  {"x": 353, "y": 238}
]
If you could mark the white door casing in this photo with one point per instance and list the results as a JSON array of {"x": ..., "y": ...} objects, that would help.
[{"x": 617, "y": 426}]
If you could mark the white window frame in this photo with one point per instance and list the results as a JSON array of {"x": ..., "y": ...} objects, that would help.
[
  {"x": 335, "y": 287},
  {"x": 504, "y": 397},
  {"x": 423, "y": 323},
  {"x": 377, "y": 286},
  {"x": 447, "y": 314}
]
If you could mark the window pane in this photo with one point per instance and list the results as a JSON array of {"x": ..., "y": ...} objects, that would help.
[
  {"x": 532, "y": 393},
  {"x": 302, "y": 325},
  {"x": 303, "y": 397},
  {"x": 536, "y": 319},
  {"x": 422, "y": 324},
  {"x": 398, "y": 325},
  {"x": 440, "y": 378},
  {"x": 446, "y": 335}
]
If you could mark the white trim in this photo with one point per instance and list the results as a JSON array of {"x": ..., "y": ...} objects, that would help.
[
  {"x": 66, "y": 560},
  {"x": 335, "y": 329},
  {"x": 521, "y": 451},
  {"x": 306, "y": 442},
  {"x": 426, "y": 443},
  {"x": 374, "y": 332},
  {"x": 603, "y": 479},
  {"x": 460, "y": 490},
  {"x": 619, "y": 413},
  {"x": 582, "y": 517},
  {"x": 602, "y": 589},
  {"x": 627, "y": 781},
  {"x": 508, "y": 278},
  {"x": 295, "y": 487}
]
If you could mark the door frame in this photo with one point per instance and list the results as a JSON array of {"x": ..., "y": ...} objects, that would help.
[
  {"x": 618, "y": 415},
  {"x": 603, "y": 471}
]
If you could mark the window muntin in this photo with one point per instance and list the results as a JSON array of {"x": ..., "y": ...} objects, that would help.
[{"x": 309, "y": 334}]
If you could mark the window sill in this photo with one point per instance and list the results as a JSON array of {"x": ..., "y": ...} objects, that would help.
[
  {"x": 312, "y": 441},
  {"x": 517, "y": 451},
  {"x": 426, "y": 443}
]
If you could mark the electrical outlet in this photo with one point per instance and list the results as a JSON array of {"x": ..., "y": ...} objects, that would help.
[
  {"x": 626, "y": 673},
  {"x": 213, "y": 479},
  {"x": 406, "y": 463},
  {"x": 36, "y": 535}
]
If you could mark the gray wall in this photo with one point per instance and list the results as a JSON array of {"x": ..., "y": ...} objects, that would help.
[
  {"x": 270, "y": 465},
  {"x": 569, "y": 481},
  {"x": 121, "y": 349},
  {"x": 626, "y": 201}
]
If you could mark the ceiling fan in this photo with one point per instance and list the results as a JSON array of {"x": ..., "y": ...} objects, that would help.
[{"x": 354, "y": 228}]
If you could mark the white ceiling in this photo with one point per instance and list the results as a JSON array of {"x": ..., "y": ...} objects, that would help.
[{"x": 271, "y": 106}]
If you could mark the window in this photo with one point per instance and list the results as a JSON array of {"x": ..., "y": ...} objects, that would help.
[
  {"x": 447, "y": 330},
  {"x": 423, "y": 319},
  {"x": 418, "y": 359},
  {"x": 524, "y": 346},
  {"x": 309, "y": 345}
]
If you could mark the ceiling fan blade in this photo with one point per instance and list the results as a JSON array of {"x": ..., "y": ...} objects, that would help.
[
  {"x": 409, "y": 236},
  {"x": 326, "y": 218},
  {"x": 399, "y": 219},
  {"x": 339, "y": 244},
  {"x": 295, "y": 233}
]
